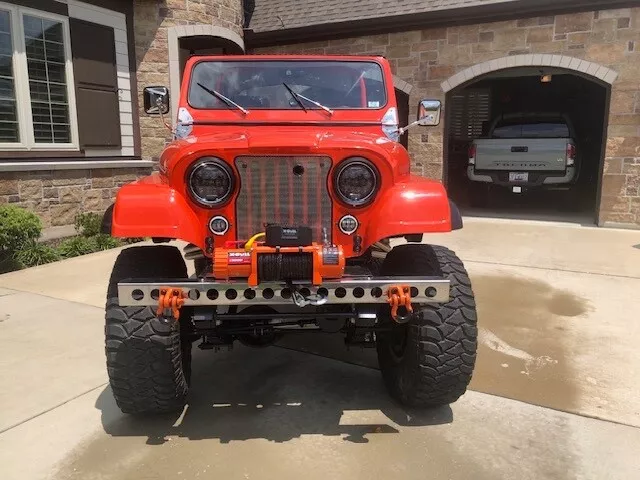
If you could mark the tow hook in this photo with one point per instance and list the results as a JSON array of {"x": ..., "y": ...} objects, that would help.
[
  {"x": 170, "y": 301},
  {"x": 302, "y": 301},
  {"x": 400, "y": 296}
]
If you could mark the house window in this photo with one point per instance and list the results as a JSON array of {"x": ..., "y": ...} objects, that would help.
[
  {"x": 37, "y": 104},
  {"x": 9, "y": 131}
]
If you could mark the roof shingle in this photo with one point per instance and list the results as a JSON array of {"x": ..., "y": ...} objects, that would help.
[{"x": 270, "y": 15}]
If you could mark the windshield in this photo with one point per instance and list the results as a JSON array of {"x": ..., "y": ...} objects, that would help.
[
  {"x": 263, "y": 84},
  {"x": 531, "y": 129}
]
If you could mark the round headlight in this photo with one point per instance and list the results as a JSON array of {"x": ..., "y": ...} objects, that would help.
[
  {"x": 210, "y": 182},
  {"x": 356, "y": 181}
]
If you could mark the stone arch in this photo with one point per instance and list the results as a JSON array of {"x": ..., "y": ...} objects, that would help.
[
  {"x": 221, "y": 36},
  {"x": 401, "y": 85},
  {"x": 581, "y": 67}
]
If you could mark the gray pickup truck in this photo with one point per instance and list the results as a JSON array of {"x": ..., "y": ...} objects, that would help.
[{"x": 525, "y": 150}]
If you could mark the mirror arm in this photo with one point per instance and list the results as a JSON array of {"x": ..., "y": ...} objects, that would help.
[
  {"x": 164, "y": 122},
  {"x": 402, "y": 130}
]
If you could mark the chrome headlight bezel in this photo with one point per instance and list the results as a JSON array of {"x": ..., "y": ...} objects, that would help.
[
  {"x": 224, "y": 168},
  {"x": 340, "y": 170}
]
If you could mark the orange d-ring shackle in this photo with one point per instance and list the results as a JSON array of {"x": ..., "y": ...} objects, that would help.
[
  {"x": 399, "y": 296},
  {"x": 171, "y": 299}
]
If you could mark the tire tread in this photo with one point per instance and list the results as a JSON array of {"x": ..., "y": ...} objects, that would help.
[
  {"x": 441, "y": 340},
  {"x": 145, "y": 358}
]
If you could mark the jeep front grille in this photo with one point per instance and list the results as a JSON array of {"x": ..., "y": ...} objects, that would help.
[{"x": 287, "y": 190}]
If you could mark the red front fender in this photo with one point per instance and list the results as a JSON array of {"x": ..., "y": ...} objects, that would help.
[
  {"x": 149, "y": 209},
  {"x": 418, "y": 205}
]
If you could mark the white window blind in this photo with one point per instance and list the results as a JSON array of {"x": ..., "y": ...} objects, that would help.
[{"x": 37, "y": 103}]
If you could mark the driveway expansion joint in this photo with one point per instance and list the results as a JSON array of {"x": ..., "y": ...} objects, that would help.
[{"x": 58, "y": 405}]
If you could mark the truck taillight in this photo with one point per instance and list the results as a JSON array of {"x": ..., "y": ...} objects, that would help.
[
  {"x": 571, "y": 154},
  {"x": 472, "y": 155}
]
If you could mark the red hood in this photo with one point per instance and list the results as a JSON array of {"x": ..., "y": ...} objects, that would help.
[{"x": 270, "y": 140}]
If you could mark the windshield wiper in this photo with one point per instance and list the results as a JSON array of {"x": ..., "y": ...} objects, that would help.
[
  {"x": 295, "y": 97},
  {"x": 230, "y": 103},
  {"x": 299, "y": 96}
]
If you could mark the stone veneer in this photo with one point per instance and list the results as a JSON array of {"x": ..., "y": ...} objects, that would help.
[
  {"x": 428, "y": 58},
  {"x": 151, "y": 20},
  {"x": 56, "y": 196}
]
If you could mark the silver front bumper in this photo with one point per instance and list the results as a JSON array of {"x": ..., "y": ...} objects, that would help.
[{"x": 348, "y": 290}]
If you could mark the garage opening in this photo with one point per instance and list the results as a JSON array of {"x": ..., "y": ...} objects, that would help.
[
  {"x": 187, "y": 40},
  {"x": 402, "y": 99},
  {"x": 527, "y": 142},
  {"x": 205, "y": 45}
]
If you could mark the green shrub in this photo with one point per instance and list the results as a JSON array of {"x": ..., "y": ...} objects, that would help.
[
  {"x": 17, "y": 227},
  {"x": 105, "y": 242},
  {"x": 76, "y": 246},
  {"x": 88, "y": 224},
  {"x": 33, "y": 254},
  {"x": 8, "y": 263},
  {"x": 130, "y": 240}
]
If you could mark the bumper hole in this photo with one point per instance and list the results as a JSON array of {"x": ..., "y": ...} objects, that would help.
[
  {"x": 137, "y": 294},
  {"x": 414, "y": 292},
  {"x": 358, "y": 292},
  {"x": 341, "y": 292},
  {"x": 267, "y": 293},
  {"x": 231, "y": 294},
  {"x": 212, "y": 294},
  {"x": 249, "y": 294},
  {"x": 376, "y": 292},
  {"x": 194, "y": 294},
  {"x": 430, "y": 292},
  {"x": 155, "y": 294},
  {"x": 285, "y": 293},
  {"x": 323, "y": 292},
  {"x": 305, "y": 292}
]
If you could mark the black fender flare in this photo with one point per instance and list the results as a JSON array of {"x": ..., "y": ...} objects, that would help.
[
  {"x": 456, "y": 217},
  {"x": 107, "y": 220}
]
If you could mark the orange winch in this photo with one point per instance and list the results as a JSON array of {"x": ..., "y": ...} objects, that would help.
[{"x": 261, "y": 263}]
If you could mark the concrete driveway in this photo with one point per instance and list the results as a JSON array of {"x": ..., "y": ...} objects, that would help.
[{"x": 554, "y": 394}]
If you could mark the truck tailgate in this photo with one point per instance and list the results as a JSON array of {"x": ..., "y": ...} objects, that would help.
[{"x": 528, "y": 154}]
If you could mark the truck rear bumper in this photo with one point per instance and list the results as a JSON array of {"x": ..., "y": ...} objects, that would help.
[
  {"x": 536, "y": 179},
  {"x": 347, "y": 290}
]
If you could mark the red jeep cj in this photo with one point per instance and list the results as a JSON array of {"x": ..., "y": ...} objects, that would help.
[{"x": 287, "y": 182}]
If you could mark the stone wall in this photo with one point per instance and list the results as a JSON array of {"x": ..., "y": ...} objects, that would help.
[
  {"x": 426, "y": 58},
  {"x": 151, "y": 20},
  {"x": 56, "y": 196}
]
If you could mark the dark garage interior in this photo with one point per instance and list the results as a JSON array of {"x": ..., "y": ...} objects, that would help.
[{"x": 472, "y": 107}]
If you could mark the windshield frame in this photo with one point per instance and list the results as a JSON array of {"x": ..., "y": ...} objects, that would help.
[{"x": 193, "y": 83}]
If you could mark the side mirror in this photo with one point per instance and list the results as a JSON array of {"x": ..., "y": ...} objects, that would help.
[
  {"x": 429, "y": 113},
  {"x": 156, "y": 100}
]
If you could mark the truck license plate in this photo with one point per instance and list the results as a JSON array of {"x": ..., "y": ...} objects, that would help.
[{"x": 518, "y": 176}]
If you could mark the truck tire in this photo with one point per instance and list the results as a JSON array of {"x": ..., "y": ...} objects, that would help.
[
  {"x": 147, "y": 365},
  {"x": 429, "y": 361}
]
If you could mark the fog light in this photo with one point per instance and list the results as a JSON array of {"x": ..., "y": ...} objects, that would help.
[
  {"x": 218, "y": 225},
  {"x": 348, "y": 224}
]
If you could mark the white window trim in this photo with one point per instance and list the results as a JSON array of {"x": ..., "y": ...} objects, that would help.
[{"x": 21, "y": 83}]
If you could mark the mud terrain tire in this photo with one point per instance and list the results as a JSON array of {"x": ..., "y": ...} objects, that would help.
[
  {"x": 147, "y": 365},
  {"x": 429, "y": 361}
]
